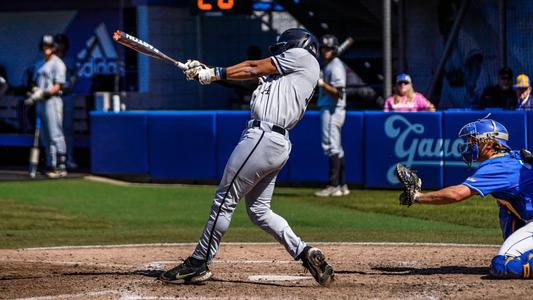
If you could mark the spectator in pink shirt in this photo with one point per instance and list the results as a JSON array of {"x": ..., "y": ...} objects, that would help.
[{"x": 405, "y": 98}]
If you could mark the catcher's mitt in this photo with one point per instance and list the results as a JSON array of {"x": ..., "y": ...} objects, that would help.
[{"x": 412, "y": 185}]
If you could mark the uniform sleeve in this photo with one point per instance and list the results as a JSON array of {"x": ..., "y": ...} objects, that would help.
[
  {"x": 60, "y": 73},
  {"x": 338, "y": 75},
  {"x": 488, "y": 179},
  {"x": 292, "y": 60},
  {"x": 422, "y": 102}
]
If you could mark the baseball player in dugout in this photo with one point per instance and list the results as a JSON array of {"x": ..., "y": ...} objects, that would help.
[
  {"x": 505, "y": 174},
  {"x": 48, "y": 78},
  {"x": 286, "y": 80},
  {"x": 332, "y": 103}
]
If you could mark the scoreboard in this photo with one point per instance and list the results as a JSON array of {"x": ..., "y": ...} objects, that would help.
[{"x": 222, "y": 7}]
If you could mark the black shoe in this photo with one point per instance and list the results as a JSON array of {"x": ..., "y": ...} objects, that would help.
[
  {"x": 314, "y": 260},
  {"x": 191, "y": 270}
]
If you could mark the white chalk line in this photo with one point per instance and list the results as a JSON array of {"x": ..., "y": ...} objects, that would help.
[
  {"x": 274, "y": 277},
  {"x": 65, "y": 263},
  {"x": 155, "y": 245},
  {"x": 156, "y": 265}
]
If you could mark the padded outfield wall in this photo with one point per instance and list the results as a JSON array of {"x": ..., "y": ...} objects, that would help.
[{"x": 195, "y": 145}]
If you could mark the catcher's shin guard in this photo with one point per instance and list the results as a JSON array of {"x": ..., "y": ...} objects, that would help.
[{"x": 512, "y": 266}]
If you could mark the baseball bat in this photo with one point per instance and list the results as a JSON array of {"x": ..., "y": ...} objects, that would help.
[
  {"x": 34, "y": 152},
  {"x": 344, "y": 46},
  {"x": 144, "y": 48}
]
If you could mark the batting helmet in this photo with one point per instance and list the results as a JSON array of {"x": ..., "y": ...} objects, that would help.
[
  {"x": 295, "y": 38},
  {"x": 473, "y": 132},
  {"x": 330, "y": 41},
  {"x": 47, "y": 40}
]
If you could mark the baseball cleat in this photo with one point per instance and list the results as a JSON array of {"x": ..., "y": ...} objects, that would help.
[
  {"x": 329, "y": 191},
  {"x": 345, "y": 191},
  {"x": 314, "y": 260},
  {"x": 191, "y": 270}
]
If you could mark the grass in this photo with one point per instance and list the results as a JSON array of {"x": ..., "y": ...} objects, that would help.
[{"x": 81, "y": 212}]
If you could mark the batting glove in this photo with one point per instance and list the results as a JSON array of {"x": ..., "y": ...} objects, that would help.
[
  {"x": 193, "y": 68},
  {"x": 36, "y": 95}
]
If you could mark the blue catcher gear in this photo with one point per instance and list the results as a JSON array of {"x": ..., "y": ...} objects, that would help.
[
  {"x": 511, "y": 266},
  {"x": 295, "y": 38},
  {"x": 472, "y": 132}
]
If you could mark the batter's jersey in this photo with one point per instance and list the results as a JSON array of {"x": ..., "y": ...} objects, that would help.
[
  {"x": 48, "y": 73},
  {"x": 510, "y": 181},
  {"x": 282, "y": 98},
  {"x": 335, "y": 75}
]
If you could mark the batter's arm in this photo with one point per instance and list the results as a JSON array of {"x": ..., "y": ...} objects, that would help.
[
  {"x": 251, "y": 69},
  {"x": 329, "y": 88},
  {"x": 447, "y": 195},
  {"x": 54, "y": 89}
]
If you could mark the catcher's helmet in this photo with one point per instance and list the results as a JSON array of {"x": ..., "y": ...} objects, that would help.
[
  {"x": 330, "y": 41},
  {"x": 47, "y": 40},
  {"x": 484, "y": 128},
  {"x": 295, "y": 38}
]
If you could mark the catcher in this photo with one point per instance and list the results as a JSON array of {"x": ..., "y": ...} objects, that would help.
[{"x": 505, "y": 174}]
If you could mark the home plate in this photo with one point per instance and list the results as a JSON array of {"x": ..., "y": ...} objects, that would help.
[{"x": 277, "y": 278}]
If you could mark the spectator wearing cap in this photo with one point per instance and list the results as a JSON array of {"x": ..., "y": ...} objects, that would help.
[
  {"x": 500, "y": 95},
  {"x": 405, "y": 98},
  {"x": 522, "y": 88}
]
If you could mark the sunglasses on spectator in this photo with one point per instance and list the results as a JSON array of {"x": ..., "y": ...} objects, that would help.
[{"x": 403, "y": 82}]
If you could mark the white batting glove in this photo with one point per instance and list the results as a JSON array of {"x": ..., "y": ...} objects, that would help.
[
  {"x": 36, "y": 95},
  {"x": 206, "y": 76},
  {"x": 193, "y": 68}
]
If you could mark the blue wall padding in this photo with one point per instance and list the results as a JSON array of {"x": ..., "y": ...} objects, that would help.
[
  {"x": 182, "y": 145},
  {"x": 119, "y": 143},
  {"x": 409, "y": 138}
]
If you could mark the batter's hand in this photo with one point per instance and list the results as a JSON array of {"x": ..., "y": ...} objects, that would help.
[
  {"x": 526, "y": 156},
  {"x": 36, "y": 95},
  {"x": 412, "y": 185},
  {"x": 193, "y": 68}
]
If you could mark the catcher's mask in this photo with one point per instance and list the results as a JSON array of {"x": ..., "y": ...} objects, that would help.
[{"x": 474, "y": 132}]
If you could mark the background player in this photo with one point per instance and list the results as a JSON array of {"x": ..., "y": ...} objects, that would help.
[
  {"x": 332, "y": 103},
  {"x": 286, "y": 84},
  {"x": 48, "y": 77},
  {"x": 501, "y": 173}
]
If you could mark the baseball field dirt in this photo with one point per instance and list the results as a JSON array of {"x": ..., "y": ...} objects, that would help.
[{"x": 257, "y": 271}]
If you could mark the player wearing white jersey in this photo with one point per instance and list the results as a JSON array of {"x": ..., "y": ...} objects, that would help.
[{"x": 286, "y": 84}]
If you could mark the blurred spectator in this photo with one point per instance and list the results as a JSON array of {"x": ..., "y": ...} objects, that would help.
[
  {"x": 501, "y": 94},
  {"x": 3, "y": 81},
  {"x": 62, "y": 44},
  {"x": 523, "y": 92},
  {"x": 405, "y": 98}
]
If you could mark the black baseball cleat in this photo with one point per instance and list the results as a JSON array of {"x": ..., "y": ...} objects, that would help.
[
  {"x": 191, "y": 270},
  {"x": 314, "y": 260}
]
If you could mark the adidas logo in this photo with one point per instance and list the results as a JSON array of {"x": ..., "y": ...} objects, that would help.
[{"x": 99, "y": 55}]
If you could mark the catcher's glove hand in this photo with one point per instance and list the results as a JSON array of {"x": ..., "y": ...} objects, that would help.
[
  {"x": 526, "y": 156},
  {"x": 412, "y": 185}
]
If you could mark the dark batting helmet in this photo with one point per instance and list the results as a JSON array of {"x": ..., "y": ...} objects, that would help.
[
  {"x": 295, "y": 38},
  {"x": 47, "y": 40},
  {"x": 330, "y": 41}
]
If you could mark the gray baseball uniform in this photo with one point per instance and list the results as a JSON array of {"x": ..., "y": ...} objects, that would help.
[
  {"x": 278, "y": 103},
  {"x": 332, "y": 108},
  {"x": 46, "y": 74}
]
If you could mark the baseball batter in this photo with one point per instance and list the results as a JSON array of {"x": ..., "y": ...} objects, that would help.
[
  {"x": 332, "y": 103},
  {"x": 507, "y": 176},
  {"x": 49, "y": 75},
  {"x": 286, "y": 83}
]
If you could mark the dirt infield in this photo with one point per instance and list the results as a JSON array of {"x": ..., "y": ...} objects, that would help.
[{"x": 256, "y": 271}]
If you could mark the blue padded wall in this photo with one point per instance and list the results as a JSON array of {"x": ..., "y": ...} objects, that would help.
[
  {"x": 119, "y": 143},
  {"x": 409, "y": 138},
  {"x": 182, "y": 145}
]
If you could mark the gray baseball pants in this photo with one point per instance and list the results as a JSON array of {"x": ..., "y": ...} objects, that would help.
[
  {"x": 51, "y": 113},
  {"x": 332, "y": 120},
  {"x": 250, "y": 172}
]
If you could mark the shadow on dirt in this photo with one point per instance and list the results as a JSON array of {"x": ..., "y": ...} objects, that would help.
[{"x": 432, "y": 271}]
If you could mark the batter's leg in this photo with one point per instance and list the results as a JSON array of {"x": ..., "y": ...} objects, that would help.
[{"x": 259, "y": 211}]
